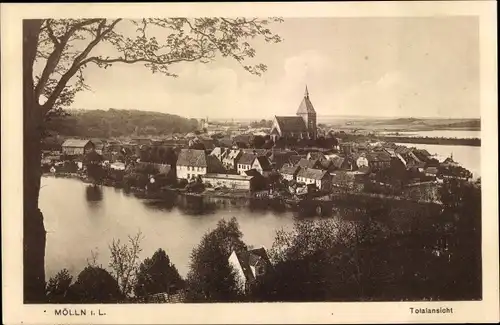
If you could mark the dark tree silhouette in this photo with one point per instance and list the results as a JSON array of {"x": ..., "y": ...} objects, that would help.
[
  {"x": 157, "y": 275},
  {"x": 93, "y": 165},
  {"x": 58, "y": 287},
  {"x": 258, "y": 141},
  {"x": 211, "y": 278},
  {"x": 96, "y": 285}
]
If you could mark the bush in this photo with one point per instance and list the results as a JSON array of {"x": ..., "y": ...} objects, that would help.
[{"x": 96, "y": 285}]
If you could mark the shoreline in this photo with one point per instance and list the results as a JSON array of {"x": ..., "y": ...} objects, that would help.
[
  {"x": 329, "y": 201},
  {"x": 471, "y": 142}
]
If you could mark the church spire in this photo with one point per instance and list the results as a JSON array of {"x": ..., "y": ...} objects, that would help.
[{"x": 306, "y": 94}]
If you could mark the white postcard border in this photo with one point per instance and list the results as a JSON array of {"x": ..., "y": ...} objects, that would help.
[{"x": 15, "y": 312}]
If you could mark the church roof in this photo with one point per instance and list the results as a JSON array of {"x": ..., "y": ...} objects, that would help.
[
  {"x": 291, "y": 124},
  {"x": 306, "y": 106}
]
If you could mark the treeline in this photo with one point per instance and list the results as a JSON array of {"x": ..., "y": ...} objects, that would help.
[{"x": 115, "y": 123}]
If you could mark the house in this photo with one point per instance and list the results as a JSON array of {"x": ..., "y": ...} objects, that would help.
[
  {"x": 245, "y": 162},
  {"x": 301, "y": 126},
  {"x": 99, "y": 145},
  {"x": 431, "y": 171},
  {"x": 219, "y": 153},
  {"x": 230, "y": 158},
  {"x": 315, "y": 155},
  {"x": 258, "y": 152},
  {"x": 237, "y": 182},
  {"x": 318, "y": 177},
  {"x": 289, "y": 172},
  {"x": 312, "y": 164},
  {"x": 379, "y": 160},
  {"x": 259, "y": 182},
  {"x": 261, "y": 164},
  {"x": 362, "y": 161},
  {"x": 294, "y": 159},
  {"x": 326, "y": 164},
  {"x": 72, "y": 147},
  {"x": 343, "y": 180},
  {"x": 337, "y": 162},
  {"x": 250, "y": 265},
  {"x": 117, "y": 165},
  {"x": 192, "y": 163},
  {"x": 280, "y": 158},
  {"x": 449, "y": 162},
  {"x": 346, "y": 147},
  {"x": 416, "y": 166},
  {"x": 390, "y": 151},
  {"x": 421, "y": 154}
]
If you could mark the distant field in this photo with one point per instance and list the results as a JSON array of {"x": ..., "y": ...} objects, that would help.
[{"x": 401, "y": 124}]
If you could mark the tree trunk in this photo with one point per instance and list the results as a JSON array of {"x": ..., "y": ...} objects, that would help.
[{"x": 34, "y": 235}]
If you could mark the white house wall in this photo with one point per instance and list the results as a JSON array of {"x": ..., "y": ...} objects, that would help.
[
  {"x": 240, "y": 275},
  {"x": 188, "y": 172}
]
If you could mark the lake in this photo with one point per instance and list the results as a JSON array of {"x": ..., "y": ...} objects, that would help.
[
  {"x": 76, "y": 224},
  {"x": 468, "y": 157},
  {"x": 458, "y": 134}
]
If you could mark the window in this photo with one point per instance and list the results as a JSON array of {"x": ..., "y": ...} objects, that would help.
[{"x": 189, "y": 175}]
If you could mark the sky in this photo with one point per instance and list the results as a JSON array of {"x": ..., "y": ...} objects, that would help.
[{"x": 401, "y": 67}]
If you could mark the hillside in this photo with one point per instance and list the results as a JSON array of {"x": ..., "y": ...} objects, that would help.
[{"x": 115, "y": 123}]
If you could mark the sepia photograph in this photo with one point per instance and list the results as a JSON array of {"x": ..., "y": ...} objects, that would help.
[{"x": 251, "y": 159}]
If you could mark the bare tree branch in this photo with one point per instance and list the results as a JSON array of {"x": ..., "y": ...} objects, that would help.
[
  {"x": 76, "y": 64},
  {"x": 55, "y": 57}
]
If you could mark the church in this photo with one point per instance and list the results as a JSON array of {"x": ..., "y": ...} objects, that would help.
[{"x": 301, "y": 126}]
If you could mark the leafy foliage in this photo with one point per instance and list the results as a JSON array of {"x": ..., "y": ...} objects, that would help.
[
  {"x": 262, "y": 124},
  {"x": 258, "y": 141},
  {"x": 211, "y": 278},
  {"x": 158, "y": 154},
  {"x": 156, "y": 275}
]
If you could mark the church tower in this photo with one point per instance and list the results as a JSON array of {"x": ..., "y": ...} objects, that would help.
[{"x": 308, "y": 114}]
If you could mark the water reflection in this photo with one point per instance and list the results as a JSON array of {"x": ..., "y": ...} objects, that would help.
[
  {"x": 94, "y": 197},
  {"x": 159, "y": 205},
  {"x": 196, "y": 205},
  {"x": 93, "y": 193}
]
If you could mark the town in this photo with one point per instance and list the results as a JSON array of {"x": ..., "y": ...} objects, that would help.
[{"x": 292, "y": 159}]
